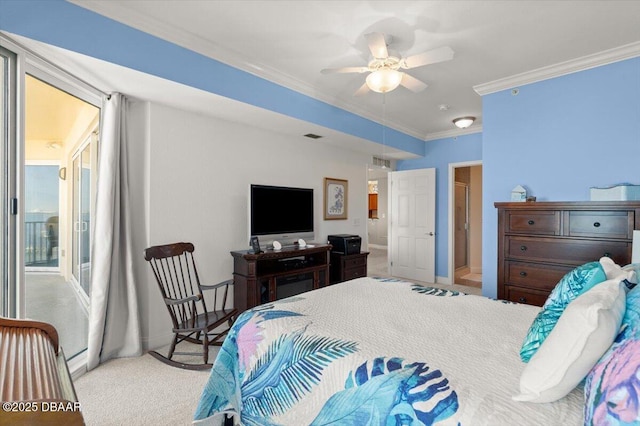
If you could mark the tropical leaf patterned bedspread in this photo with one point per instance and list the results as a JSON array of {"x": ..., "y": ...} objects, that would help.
[{"x": 378, "y": 352}]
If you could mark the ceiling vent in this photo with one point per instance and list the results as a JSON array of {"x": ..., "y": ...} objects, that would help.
[
  {"x": 381, "y": 162},
  {"x": 312, "y": 136}
]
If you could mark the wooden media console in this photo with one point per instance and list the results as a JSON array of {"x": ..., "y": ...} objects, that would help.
[{"x": 274, "y": 274}]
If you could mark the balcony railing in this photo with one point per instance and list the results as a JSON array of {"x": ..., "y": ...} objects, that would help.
[{"x": 41, "y": 244}]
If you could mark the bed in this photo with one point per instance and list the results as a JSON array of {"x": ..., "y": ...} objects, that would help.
[{"x": 378, "y": 351}]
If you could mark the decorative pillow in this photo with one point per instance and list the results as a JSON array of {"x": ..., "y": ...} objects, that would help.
[
  {"x": 583, "y": 333},
  {"x": 612, "y": 388},
  {"x": 572, "y": 285},
  {"x": 614, "y": 271},
  {"x": 635, "y": 268}
]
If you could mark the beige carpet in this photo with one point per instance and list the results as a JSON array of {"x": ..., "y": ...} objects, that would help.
[{"x": 140, "y": 391}]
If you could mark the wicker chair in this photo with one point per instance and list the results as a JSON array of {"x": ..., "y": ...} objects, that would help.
[{"x": 175, "y": 271}]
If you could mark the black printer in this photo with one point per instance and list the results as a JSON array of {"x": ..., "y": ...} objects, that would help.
[{"x": 345, "y": 243}]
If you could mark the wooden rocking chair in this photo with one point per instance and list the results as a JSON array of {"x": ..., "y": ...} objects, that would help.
[{"x": 175, "y": 271}]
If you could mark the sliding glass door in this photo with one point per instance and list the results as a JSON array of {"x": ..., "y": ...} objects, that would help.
[
  {"x": 49, "y": 132},
  {"x": 83, "y": 197},
  {"x": 60, "y": 135},
  {"x": 8, "y": 203}
]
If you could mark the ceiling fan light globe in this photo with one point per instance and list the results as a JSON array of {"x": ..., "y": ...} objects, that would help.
[
  {"x": 464, "y": 122},
  {"x": 384, "y": 80}
]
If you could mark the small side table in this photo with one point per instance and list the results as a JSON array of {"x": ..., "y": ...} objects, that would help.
[{"x": 346, "y": 267}]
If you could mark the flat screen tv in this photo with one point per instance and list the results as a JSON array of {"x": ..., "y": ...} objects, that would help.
[{"x": 279, "y": 213}]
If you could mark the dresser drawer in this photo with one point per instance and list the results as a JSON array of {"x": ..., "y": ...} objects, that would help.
[
  {"x": 612, "y": 224},
  {"x": 533, "y": 222},
  {"x": 523, "y": 295},
  {"x": 565, "y": 251},
  {"x": 354, "y": 262},
  {"x": 347, "y": 267},
  {"x": 352, "y": 273},
  {"x": 534, "y": 275}
]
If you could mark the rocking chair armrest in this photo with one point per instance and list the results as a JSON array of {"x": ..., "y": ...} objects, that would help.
[
  {"x": 170, "y": 301},
  {"x": 214, "y": 286}
]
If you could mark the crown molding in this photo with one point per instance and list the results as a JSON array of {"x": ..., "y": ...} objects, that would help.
[
  {"x": 453, "y": 133},
  {"x": 123, "y": 14},
  {"x": 616, "y": 54}
]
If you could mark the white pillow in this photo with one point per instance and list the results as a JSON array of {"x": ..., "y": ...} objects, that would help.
[
  {"x": 583, "y": 333},
  {"x": 613, "y": 271}
]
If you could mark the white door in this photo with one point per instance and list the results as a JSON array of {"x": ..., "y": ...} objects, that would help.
[{"x": 412, "y": 231}]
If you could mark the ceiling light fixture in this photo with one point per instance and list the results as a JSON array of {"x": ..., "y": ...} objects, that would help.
[
  {"x": 384, "y": 80},
  {"x": 464, "y": 122}
]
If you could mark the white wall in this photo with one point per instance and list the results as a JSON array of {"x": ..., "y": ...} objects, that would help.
[{"x": 197, "y": 184}]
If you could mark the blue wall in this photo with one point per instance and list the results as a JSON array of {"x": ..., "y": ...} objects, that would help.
[
  {"x": 439, "y": 154},
  {"x": 558, "y": 138},
  {"x": 66, "y": 25}
]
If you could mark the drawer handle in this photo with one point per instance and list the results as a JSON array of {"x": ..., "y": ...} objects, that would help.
[
  {"x": 523, "y": 248},
  {"x": 523, "y": 274},
  {"x": 531, "y": 222},
  {"x": 597, "y": 224},
  {"x": 522, "y": 300},
  {"x": 606, "y": 254}
]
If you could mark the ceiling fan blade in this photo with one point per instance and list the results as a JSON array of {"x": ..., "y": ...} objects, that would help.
[
  {"x": 412, "y": 83},
  {"x": 363, "y": 90},
  {"x": 377, "y": 45},
  {"x": 344, "y": 70},
  {"x": 434, "y": 56}
]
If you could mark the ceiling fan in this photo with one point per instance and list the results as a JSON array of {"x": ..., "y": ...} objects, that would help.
[{"x": 384, "y": 67}]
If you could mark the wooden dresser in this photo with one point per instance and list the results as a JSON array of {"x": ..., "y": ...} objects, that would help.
[{"x": 539, "y": 242}]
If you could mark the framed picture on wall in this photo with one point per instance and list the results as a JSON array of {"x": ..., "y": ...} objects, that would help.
[{"x": 335, "y": 198}]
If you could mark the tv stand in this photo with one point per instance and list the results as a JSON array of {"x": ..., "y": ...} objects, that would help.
[{"x": 274, "y": 274}]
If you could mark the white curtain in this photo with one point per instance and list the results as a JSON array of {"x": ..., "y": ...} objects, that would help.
[{"x": 114, "y": 324}]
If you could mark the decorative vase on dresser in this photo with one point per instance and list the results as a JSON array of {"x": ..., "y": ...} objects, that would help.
[{"x": 539, "y": 242}]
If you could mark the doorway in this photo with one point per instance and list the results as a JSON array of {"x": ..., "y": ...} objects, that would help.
[
  {"x": 465, "y": 223},
  {"x": 377, "y": 222},
  {"x": 461, "y": 225},
  {"x": 46, "y": 115},
  {"x": 60, "y": 157}
]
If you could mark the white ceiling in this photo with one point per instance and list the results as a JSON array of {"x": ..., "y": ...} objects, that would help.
[{"x": 289, "y": 42}]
